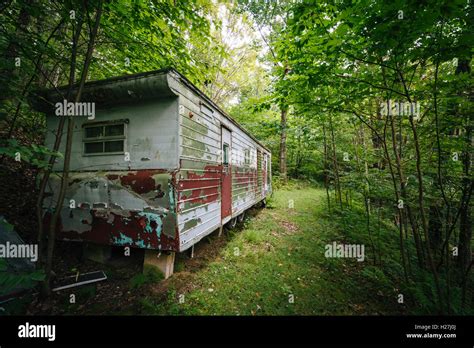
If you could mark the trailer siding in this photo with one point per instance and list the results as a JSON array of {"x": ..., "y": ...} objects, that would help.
[
  {"x": 244, "y": 172},
  {"x": 199, "y": 177},
  {"x": 198, "y": 181}
]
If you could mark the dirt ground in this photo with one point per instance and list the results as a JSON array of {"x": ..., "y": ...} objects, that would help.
[{"x": 116, "y": 295}]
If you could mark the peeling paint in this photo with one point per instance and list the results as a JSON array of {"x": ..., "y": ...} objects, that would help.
[
  {"x": 123, "y": 240},
  {"x": 111, "y": 213},
  {"x": 153, "y": 223}
]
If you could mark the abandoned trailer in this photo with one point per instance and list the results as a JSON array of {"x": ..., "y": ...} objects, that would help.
[{"x": 158, "y": 166}]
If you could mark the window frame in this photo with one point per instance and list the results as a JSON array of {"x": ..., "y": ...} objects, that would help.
[
  {"x": 103, "y": 139},
  {"x": 225, "y": 154},
  {"x": 247, "y": 156}
]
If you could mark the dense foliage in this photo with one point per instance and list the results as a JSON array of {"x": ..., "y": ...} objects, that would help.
[{"x": 314, "y": 80}]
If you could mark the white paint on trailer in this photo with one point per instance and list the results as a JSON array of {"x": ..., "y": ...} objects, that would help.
[{"x": 151, "y": 133}]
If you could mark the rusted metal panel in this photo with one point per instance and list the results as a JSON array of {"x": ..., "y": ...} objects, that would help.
[
  {"x": 198, "y": 180},
  {"x": 135, "y": 208}
]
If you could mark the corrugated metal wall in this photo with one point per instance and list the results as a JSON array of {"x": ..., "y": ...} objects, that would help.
[
  {"x": 199, "y": 177},
  {"x": 198, "y": 181},
  {"x": 244, "y": 171}
]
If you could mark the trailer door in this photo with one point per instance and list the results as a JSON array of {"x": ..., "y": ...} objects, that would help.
[{"x": 226, "y": 186}]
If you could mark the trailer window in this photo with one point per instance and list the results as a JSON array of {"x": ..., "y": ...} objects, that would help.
[
  {"x": 104, "y": 139},
  {"x": 225, "y": 159}
]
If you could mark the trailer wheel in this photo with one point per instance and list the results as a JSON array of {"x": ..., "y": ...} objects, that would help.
[
  {"x": 264, "y": 203},
  {"x": 241, "y": 218}
]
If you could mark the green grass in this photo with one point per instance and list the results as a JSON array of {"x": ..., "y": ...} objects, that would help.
[
  {"x": 149, "y": 275},
  {"x": 275, "y": 264},
  {"x": 279, "y": 255}
]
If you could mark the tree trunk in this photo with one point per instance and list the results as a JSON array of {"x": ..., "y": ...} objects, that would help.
[
  {"x": 57, "y": 143},
  {"x": 67, "y": 156},
  {"x": 283, "y": 126}
]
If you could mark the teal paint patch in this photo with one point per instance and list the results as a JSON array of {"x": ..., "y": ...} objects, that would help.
[
  {"x": 156, "y": 219},
  {"x": 123, "y": 240},
  {"x": 140, "y": 244}
]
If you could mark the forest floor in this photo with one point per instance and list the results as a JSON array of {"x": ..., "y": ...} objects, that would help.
[{"x": 273, "y": 264}]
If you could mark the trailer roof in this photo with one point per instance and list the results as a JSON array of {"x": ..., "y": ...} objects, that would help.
[{"x": 46, "y": 98}]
